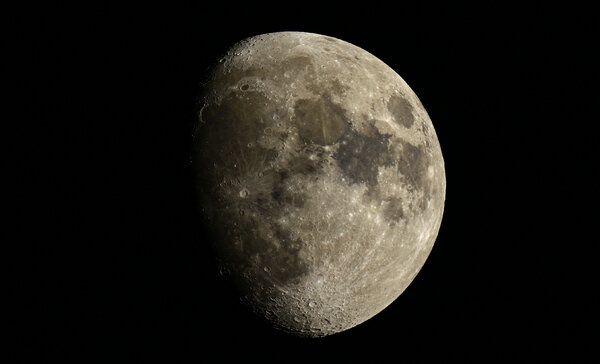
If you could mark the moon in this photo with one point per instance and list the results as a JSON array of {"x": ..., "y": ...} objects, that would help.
[{"x": 320, "y": 178}]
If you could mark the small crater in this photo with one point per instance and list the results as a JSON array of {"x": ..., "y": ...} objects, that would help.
[
  {"x": 312, "y": 304},
  {"x": 245, "y": 87},
  {"x": 243, "y": 194},
  {"x": 224, "y": 272}
]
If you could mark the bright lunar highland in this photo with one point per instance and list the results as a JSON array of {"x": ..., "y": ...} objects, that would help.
[{"x": 320, "y": 179}]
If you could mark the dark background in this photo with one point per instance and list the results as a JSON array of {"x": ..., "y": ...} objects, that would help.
[{"x": 115, "y": 265}]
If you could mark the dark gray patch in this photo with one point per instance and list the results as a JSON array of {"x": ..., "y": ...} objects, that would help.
[
  {"x": 303, "y": 165},
  {"x": 281, "y": 194},
  {"x": 319, "y": 121},
  {"x": 401, "y": 109},
  {"x": 413, "y": 165},
  {"x": 360, "y": 155},
  {"x": 393, "y": 210},
  {"x": 295, "y": 63}
]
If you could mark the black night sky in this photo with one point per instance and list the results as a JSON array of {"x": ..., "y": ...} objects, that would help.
[{"x": 116, "y": 268}]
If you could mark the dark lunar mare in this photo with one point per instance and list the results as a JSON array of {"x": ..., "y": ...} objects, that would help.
[
  {"x": 359, "y": 155},
  {"x": 320, "y": 121}
]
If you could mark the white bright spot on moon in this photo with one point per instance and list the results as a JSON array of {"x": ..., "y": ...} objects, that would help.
[{"x": 430, "y": 172}]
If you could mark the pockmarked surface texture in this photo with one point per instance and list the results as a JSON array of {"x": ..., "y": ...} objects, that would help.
[{"x": 321, "y": 178}]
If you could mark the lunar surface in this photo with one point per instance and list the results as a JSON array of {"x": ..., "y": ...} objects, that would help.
[{"x": 320, "y": 178}]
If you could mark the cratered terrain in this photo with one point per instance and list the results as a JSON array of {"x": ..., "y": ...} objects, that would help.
[{"x": 320, "y": 178}]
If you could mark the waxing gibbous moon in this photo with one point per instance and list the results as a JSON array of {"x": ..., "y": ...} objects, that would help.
[{"x": 320, "y": 178}]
